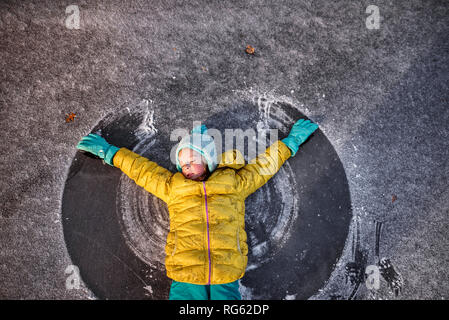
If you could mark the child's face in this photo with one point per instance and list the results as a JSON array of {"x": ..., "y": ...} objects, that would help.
[{"x": 193, "y": 164}]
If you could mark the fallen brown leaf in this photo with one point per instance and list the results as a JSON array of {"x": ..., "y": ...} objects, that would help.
[
  {"x": 249, "y": 49},
  {"x": 70, "y": 117}
]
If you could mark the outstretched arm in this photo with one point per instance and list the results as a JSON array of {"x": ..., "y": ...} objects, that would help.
[
  {"x": 259, "y": 170},
  {"x": 145, "y": 173}
]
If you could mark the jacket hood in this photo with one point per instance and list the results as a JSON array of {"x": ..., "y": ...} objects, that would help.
[{"x": 231, "y": 159}]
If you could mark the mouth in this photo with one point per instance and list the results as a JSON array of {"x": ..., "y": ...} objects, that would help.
[{"x": 195, "y": 177}]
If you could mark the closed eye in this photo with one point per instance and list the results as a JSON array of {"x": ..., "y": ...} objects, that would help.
[{"x": 187, "y": 165}]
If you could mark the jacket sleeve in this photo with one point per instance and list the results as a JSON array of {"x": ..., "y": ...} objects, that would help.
[
  {"x": 145, "y": 173},
  {"x": 259, "y": 170}
]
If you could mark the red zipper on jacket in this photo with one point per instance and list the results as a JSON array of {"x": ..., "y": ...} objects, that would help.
[{"x": 208, "y": 237}]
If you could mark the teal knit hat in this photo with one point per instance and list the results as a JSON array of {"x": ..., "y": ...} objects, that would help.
[{"x": 201, "y": 142}]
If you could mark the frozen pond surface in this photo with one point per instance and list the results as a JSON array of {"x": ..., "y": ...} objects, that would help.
[{"x": 380, "y": 97}]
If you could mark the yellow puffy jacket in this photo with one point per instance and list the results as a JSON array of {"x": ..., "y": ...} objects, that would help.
[{"x": 206, "y": 243}]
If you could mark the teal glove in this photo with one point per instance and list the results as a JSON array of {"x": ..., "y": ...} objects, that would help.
[
  {"x": 300, "y": 131},
  {"x": 98, "y": 146}
]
